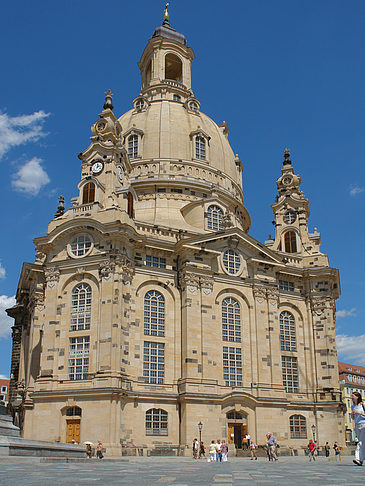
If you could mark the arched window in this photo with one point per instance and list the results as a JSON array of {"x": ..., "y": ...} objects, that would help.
[
  {"x": 215, "y": 215},
  {"x": 234, "y": 416},
  {"x": 73, "y": 411},
  {"x": 139, "y": 105},
  {"x": 173, "y": 68},
  {"x": 88, "y": 193},
  {"x": 81, "y": 307},
  {"x": 200, "y": 148},
  {"x": 290, "y": 242},
  {"x": 133, "y": 146},
  {"x": 156, "y": 422},
  {"x": 130, "y": 205},
  {"x": 298, "y": 427},
  {"x": 154, "y": 314},
  {"x": 287, "y": 332},
  {"x": 231, "y": 320}
]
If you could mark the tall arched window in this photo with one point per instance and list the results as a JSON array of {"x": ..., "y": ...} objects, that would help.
[
  {"x": 154, "y": 314},
  {"x": 133, "y": 146},
  {"x": 215, "y": 215},
  {"x": 88, "y": 193},
  {"x": 200, "y": 152},
  {"x": 290, "y": 242},
  {"x": 81, "y": 307},
  {"x": 298, "y": 427},
  {"x": 231, "y": 320},
  {"x": 73, "y": 411},
  {"x": 156, "y": 421},
  {"x": 130, "y": 205},
  {"x": 288, "y": 340},
  {"x": 173, "y": 68}
]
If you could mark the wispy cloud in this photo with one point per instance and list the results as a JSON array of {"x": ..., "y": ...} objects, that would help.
[
  {"x": 355, "y": 190},
  {"x": 351, "y": 348},
  {"x": 346, "y": 313},
  {"x": 30, "y": 178},
  {"x": 18, "y": 130},
  {"x": 3, "y": 377},
  {"x": 5, "y": 321},
  {"x": 2, "y": 271}
]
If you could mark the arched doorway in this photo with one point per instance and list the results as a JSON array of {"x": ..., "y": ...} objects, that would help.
[{"x": 237, "y": 428}]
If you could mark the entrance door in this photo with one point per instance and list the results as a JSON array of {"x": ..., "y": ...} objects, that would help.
[{"x": 73, "y": 431}]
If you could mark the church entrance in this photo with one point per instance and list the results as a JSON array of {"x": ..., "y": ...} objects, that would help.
[
  {"x": 73, "y": 431},
  {"x": 236, "y": 433}
]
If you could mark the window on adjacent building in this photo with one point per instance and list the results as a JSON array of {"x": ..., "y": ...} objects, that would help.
[
  {"x": 156, "y": 422},
  {"x": 231, "y": 320},
  {"x": 232, "y": 366},
  {"x": 81, "y": 307},
  {"x": 231, "y": 261},
  {"x": 154, "y": 314},
  {"x": 153, "y": 362},
  {"x": 287, "y": 332},
  {"x": 290, "y": 242},
  {"x": 133, "y": 146},
  {"x": 156, "y": 262},
  {"x": 298, "y": 427},
  {"x": 285, "y": 285},
  {"x": 4, "y": 389},
  {"x": 72, "y": 411},
  {"x": 88, "y": 193},
  {"x": 81, "y": 245},
  {"x": 78, "y": 363},
  {"x": 290, "y": 374},
  {"x": 214, "y": 216},
  {"x": 200, "y": 152}
]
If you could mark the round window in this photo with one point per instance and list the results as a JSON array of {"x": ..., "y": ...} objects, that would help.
[
  {"x": 80, "y": 246},
  {"x": 231, "y": 262},
  {"x": 290, "y": 217}
]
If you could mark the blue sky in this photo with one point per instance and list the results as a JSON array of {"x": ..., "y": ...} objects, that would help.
[{"x": 282, "y": 73}]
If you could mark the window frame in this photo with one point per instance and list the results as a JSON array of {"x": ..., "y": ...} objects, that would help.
[
  {"x": 288, "y": 332},
  {"x": 157, "y": 427},
  {"x": 298, "y": 426},
  {"x": 158, "y": 375},
  {"x": 232, "y": 366},
  {"x": 80, "y": 357},
  {"x": 87, "y": 251},
  {"x": 237, "y": 262},
  {"x": 154, "y": 307},
  {"x": 290, "y": 374},
  {"x": 88, "y": 193},
  {"x": 133, "y": 146},
  {"x": 214, "y": 222},
  {"x": 81, "y": 313},
  {"x": 231, "y": 332}
]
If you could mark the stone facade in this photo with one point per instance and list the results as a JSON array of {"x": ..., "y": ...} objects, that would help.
[{"x": 149, "y": 308}]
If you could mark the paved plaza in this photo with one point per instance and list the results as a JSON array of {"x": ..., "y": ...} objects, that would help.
[{"x": 156, "y": 471}]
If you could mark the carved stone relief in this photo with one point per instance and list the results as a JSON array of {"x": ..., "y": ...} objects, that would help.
[{"x": 52, "y": 275}]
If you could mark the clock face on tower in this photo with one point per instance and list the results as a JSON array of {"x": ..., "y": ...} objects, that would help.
[{"x": 97, "y": 167}]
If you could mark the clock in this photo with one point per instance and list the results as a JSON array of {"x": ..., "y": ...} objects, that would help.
[
  {"x": 287, "y": 180},
  {"x": 97, "y": 167}
]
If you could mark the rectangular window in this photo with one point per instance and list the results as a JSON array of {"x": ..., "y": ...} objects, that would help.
[
  {"x": 153, "y": 362},
  {"x": 290, "y": 374},
  {"x": 232, "y": 366},
  {"x": 156, "y": 262},
  {"x": 284, "y": 285},
  {"x": 78, "y": 363},
  {"x": 4, "y": 389}
]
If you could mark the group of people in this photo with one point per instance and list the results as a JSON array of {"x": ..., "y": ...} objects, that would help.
[
  {"x": 99, "y": 450},
  {"x": 218, "y": 450}
]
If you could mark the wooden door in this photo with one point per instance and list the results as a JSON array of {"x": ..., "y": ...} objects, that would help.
[
  {"x": 73, "y": 431},
  {"x": 230, "y": 433}
]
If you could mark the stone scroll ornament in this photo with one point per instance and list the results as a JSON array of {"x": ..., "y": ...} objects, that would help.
[
  {"x": 259, "y": 293},
  {"x": 126, "y": 269},
  {"x": 52, "y": 275},
  {"x": 319, "y": 305},
  {"x": 106, "y": 269},
  {"x": 190, "y": 281},
  {"x": 206, "y": 284},
  {"x": 273, "y": 296}
]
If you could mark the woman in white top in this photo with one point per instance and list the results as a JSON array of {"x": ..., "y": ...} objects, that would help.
[{"x": 358, "y": 414}]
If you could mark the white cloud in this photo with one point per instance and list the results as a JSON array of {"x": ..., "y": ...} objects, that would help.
[
  {"x": 346, "y": 313},
  {"x": 351, "y": 348},
  {"x": 3, "y": 377},
  {"x": 2, "y": 271},
  {"x": 30, "y": 178},
  {"x": 355, "y": 190},
  {"x": 18, "y": 130},
  {"x": 5, "y": 321}
]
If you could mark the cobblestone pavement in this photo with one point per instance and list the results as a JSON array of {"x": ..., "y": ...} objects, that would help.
[{"x": 160, "y": 471}]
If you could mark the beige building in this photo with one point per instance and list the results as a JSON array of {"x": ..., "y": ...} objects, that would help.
[{"x": 149, "y": 307}]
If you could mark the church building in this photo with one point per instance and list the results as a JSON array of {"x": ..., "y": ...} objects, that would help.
[{"x": 150, "y": 309}]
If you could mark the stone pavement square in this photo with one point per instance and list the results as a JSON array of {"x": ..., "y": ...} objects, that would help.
[{"x": 180, "y": 471}]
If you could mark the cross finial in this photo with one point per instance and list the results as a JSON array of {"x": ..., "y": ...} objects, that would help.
[
  {"x": 166, "y": 15},
  {"x": 287, "y": 160},
  {"x": 108, "y": 100}
]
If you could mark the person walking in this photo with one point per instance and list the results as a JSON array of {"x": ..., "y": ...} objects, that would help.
[
  {"x": 195, "y": 448},
  {"x": 99, "y": 450},
  {"x": 201, "y": 450},
  {"x": 218, "y": 446},
  {"x": 271, "y": 443},
  {"x": 89, "y": 451},
  {"x": 224, "y": 450},
  {"x": 253, "y": 448},
  {"x": 336, "y": 449},
  {"x": 358, "y": 415},
  {"x": 311, "y": 450},
  {"x": 245, "y": 443},
  {"x": 212, "y": 452},
  {"x": 327, "y": 449}
]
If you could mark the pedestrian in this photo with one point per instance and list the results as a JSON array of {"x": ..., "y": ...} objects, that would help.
[
  {"x": 89, "y": 451},
  {"x": 218, "y": 446},
  {"x": 327, "y": 449},
  {"x": 311, "y": 450},
  {"x": 245, "y": 443},
  {"x": 224, "y": 450},
  {"x": 248, "y": 437},
  {"x": 201, "y": 450},
  {"x": 336, "y": 449},
  {"x": 358, "y": 415},
  {"x": 195, "y": 448},
  {"x": 253, "y": 448},
  {"x": 212, "y": 452},
  {"x": 99, "y": 450},
  {"x": 272, "y": 444}
]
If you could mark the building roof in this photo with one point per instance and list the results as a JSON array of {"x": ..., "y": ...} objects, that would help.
[{"x": 346, "y": 370}]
